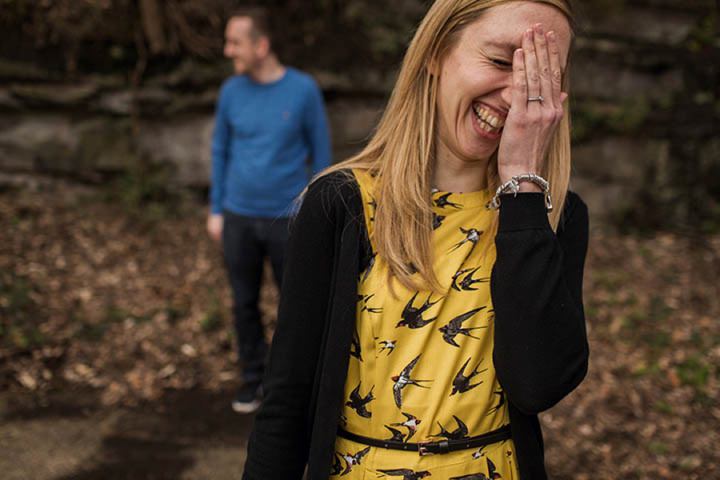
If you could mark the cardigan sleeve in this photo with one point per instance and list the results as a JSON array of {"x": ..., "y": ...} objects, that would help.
[
  {"x": 278, "y": 444},
  {"x": 541, "y": 351}
]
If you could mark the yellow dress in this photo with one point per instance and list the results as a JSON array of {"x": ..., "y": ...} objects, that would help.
[{"x": 443, "y": 343}]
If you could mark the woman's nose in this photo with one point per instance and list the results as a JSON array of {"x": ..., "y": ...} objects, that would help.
[{"x": 506, "y": 90}]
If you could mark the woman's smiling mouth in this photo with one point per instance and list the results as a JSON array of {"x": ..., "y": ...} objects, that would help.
[{"x": 487, "y": 122}]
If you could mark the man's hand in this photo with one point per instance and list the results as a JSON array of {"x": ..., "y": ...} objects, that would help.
[{"x": 215, "y": 226}]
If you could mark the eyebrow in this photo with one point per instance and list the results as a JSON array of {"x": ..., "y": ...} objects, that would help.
[
  {"x": 512, "y": 47},
  {"x": 502, "y": 45}
]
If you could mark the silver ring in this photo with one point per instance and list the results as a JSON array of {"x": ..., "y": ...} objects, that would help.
[{"x": 539, "y": 98}]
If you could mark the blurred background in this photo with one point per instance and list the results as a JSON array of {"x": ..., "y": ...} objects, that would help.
[{"x": 116, "y": 347}]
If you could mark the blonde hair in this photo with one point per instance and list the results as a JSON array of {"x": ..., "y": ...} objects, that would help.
[{"x": 400, "y": 153}]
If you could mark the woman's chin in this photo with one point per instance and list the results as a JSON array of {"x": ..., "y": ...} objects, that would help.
[{"x": 480, "y": 148}]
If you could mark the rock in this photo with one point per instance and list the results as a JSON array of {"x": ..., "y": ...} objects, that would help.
[
  {"x": 24, "y": 145},
  {"x": 117, "y": 103},
  {"x": 352, "y": 122},
  {"x": 12, "y": 70},
  {"x": 618, "y": 159},
  {"x": 8, "y": 102},
  {"x": 55, "y": 143},
  {"x": 182, "y": 142},
  {"x": 653, "y": 25},
  {"x": 54, "y": 95},
  {"x": 191, "y": 102},
  {"x": 610, "y": 172},
  {"x": 194, "y": 74},
  {"x": 105, "y": 145},
  {"x": 600, "y": 80}
]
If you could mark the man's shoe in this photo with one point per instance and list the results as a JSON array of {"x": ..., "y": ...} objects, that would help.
[{"x": 247, "y": 399}]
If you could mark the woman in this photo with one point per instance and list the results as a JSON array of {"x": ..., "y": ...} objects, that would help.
[{"x": 422, "y": 329}]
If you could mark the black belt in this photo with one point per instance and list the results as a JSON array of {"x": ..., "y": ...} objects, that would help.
[{"x": 430, "y": 448}]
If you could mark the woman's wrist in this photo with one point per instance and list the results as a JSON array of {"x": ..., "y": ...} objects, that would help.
[
  {"x": 507, "y": 173},
  {"x": 519, "y": 183},
  {"x": 524, "y": 186},
  {"x": 529, "y": 187}
]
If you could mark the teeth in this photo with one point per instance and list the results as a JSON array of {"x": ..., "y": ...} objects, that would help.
[{"x": 487, "y": 117}]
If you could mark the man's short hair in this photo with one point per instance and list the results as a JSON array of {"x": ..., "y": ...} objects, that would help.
[{"x": 260, "y": 20}]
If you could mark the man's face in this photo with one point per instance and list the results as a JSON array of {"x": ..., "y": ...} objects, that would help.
[{"x": 241, "y": 46}]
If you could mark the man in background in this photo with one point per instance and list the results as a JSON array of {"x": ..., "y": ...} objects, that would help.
[{"x": 270, "y": 137}]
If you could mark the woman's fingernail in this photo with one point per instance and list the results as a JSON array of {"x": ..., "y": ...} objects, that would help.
[
  {"x": 551, "y": 35},
  {"x": 539, "y": 28}
]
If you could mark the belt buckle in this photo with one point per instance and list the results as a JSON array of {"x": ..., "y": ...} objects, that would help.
[
  {"x": 423, "y": 448},
  {"x": 441, "y": 446}
]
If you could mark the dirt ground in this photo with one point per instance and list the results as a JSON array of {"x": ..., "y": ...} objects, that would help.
[
  {"x": 117, "y": 358},
  {"x": 68, "y": 434}
]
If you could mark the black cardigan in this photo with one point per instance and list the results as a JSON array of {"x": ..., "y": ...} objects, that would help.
[{"x": 540, "y": 345}]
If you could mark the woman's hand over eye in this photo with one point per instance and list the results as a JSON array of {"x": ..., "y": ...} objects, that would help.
[{"x": 530, "y": 125}]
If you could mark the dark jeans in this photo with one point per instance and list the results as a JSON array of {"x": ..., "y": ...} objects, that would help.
[{"x": 246, "y": 243}]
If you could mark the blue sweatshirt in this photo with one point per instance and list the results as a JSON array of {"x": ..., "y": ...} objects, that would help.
[{"x": 269, "y": 139}]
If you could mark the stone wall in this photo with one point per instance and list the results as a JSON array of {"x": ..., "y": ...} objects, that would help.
[{"x": 644, "y": 99}]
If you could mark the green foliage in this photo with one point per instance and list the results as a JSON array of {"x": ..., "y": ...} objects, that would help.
[
  {"x": 146, "y": 192},
  {"x": 18, "y": 313},
  {"x": 704, "y": 34},
  {"x": 663, "y": 406},
  {"x": 658, "y": 448},
  {"x": 694, "y": 372},
  {"x": 213, "y": 317},
  {"x": 594, "y": 119}
]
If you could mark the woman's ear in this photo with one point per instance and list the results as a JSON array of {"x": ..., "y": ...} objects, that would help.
[{"x": 433, "y": 67}]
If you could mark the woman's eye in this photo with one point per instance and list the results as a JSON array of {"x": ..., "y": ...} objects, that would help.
[{"x": 501, "y": 63}]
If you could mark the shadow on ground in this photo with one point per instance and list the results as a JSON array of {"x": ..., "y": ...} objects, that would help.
[{"x": 187, "y": 435}]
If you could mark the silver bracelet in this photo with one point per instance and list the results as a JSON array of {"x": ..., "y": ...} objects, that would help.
[{"x": 513, "y": 186}]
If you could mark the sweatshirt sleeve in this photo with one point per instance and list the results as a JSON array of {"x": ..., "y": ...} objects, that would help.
[
  {"x": 541, "y": 351},
  {"x": 279, "y": 441},
  {"x": 219, "y": 151},
  {"x": 316, "y": 130}
]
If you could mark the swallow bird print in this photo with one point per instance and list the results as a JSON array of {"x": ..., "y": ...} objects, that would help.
[
  {"x": 373, "y": 205},
  {"x": 352, "y": 460},
  {"x": 368, "y": 269},
  {"x": 412, "y": 317},
  {"x": 355, "y": 346},
  {"x": 466, "y": 284},
  {"x": 480, "y": 453},
  {"x": 443, "y": 201},
  {"x": 461, "y": 383},
  {"x": 455, "y": 328},
  {"x": 501, "y": 402},
  {"x": 359, "y": 403},
  {"x": 367, "y": 308},
  {"x": 411, "y": 424},
  {"x": 397, "y": 435},
  {"x": 337, "y": 466},
  {"x": 437, "y": 220},
  {"x": 405, "y": 473},
  {"x": 458, "y": 434},
  {"x": 388, "y": 345},
  {"x": 472, "y": 236},
  {"x": 492, "y": 474},
  {"x": 404, "y": 379}
]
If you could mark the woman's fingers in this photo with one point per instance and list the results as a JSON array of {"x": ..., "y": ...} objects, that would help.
[
  {"x": 520, "y": 86},
  {"x": 555, "y": 69},
  {"x": 531, "y": 64},
  {"x": 543, "y": 65}
]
